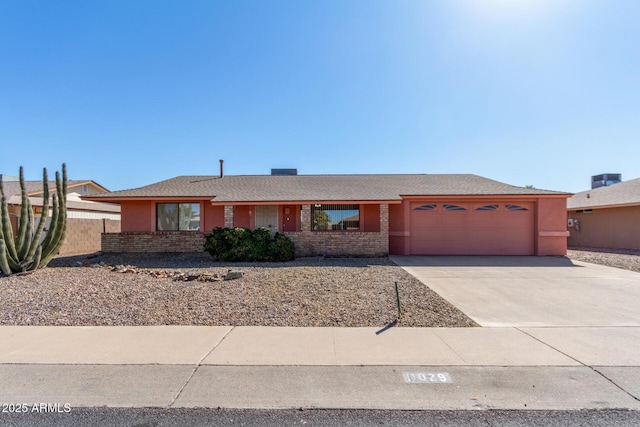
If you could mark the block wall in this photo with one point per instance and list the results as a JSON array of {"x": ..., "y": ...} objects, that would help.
[{"x": 83, "y": 236}]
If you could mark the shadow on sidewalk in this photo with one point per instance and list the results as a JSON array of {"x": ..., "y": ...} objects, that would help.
[{"x": 386, "y": 328}]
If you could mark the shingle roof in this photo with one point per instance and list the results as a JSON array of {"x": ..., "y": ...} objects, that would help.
[
  {"x": 267, "y": 188},
  {"x": 624, "y": 193},
  {"x": 35, "y": 187},
  {"x": 71, "y": 204}
]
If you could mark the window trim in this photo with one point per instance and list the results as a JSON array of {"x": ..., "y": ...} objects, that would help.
[{"x": 199, "y": 204}]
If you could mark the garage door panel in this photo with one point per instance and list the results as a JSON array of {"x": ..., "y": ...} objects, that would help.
[{"x": 459, "y": 228}]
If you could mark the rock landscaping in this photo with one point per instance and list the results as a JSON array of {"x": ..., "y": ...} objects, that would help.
[
  {"x": 619, "y": 258},
  {"x": 189, "y": 289}
]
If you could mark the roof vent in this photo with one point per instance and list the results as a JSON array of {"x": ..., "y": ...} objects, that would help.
[{"x": 284, "y": 172}]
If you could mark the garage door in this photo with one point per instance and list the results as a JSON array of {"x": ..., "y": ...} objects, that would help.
[{"x": 463, "y": 228}]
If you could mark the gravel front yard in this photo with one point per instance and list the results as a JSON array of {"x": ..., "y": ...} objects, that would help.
[
  {"x": 619, "y": 258},
  {"x": 305, "y": 292}
]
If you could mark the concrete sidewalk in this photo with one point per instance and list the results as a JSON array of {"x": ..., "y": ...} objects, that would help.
[{"x": 368, "y": 368}]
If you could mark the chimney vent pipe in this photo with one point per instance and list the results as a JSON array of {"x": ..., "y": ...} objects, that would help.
[{"x": 221, "y": 168}]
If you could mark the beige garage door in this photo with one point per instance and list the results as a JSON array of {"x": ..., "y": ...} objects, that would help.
[{"x": 463, "y": 228}]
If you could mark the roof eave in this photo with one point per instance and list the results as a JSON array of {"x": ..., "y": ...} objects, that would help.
[
  {"x": 304, "y": 202},
  {"x": 607, "y": 206},
  {"x": 487, "y": 196},
  {"x": 116, "y": 199}
]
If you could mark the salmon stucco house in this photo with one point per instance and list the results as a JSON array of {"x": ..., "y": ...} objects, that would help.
[{"x": 339, "y": 215}]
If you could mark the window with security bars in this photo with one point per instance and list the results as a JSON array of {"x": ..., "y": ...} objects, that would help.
[{"x": 335, "y": 217}]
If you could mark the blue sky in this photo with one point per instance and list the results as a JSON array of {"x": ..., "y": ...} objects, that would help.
[{"x": 127, "y": 93}]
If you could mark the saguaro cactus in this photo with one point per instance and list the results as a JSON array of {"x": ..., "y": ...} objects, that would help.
[{"x": 25, "y": 251}]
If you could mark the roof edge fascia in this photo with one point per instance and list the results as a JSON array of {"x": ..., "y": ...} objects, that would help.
[
  {"x": 615, "y": 205},
  {"x": 116, "y": 199},
  {"x": 488, "y": 196},
  {"x": 305, "y": 202}
]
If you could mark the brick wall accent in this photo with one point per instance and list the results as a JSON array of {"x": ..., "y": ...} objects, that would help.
[
  {"x": 83, "y": 235},
  {"x": 336, "y": 243},
  {"x": 159, "y": 241},
  {"x": 308, "y": 243},
  {"x": 228, "y": 216}
]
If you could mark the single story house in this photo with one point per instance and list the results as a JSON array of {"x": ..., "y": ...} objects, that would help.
[
  {"x": 606, "y": 217},
  {"x": 86, "y": 220},
  {"x": 336, "y": 215}
]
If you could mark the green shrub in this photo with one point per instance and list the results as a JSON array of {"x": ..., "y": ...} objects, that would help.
[
  {"x": 242, "y": 244},
  {"x": 282, "y": 248}
]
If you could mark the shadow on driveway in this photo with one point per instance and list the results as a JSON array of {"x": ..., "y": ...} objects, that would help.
[{"x": 482, "y": 261}]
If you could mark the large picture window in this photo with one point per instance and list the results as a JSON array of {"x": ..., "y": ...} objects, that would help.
[
  {"x": 335, "y": 217},
  {"x": 178, "y": 216}
]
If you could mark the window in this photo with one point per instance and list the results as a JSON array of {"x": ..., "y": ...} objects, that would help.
[
  {"x": 454, "y": 208},
  {"x": 425, "y": 208},
  {"x": 178, "y": 216},
  {"x": 515, "y": 208},
  {"x": 487, "y": 208},
  {"x": 335, "y": 217}
]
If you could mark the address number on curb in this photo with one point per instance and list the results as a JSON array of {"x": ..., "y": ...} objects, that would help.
[{"x": 427, "y": 377}]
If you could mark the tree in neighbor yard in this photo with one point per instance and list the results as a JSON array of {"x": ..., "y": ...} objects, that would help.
[
  {"x": 27, "y": 251},
  {"x": 320, "y": 220}
]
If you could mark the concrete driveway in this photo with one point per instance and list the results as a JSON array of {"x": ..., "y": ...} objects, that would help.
[{"x": 531, "y": 291}]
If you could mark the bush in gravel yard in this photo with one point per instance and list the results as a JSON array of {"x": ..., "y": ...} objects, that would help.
[
  {"x": 242, "y": 244},
  {"x": 282, "y": 248}
]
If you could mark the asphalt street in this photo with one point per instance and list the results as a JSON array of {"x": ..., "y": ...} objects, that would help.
[{"x": 155, "y": 417}]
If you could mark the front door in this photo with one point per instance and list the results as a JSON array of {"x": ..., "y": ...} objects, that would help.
[{"x": 289, "y": 218}]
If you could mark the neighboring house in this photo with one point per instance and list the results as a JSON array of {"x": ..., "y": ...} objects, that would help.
[
  {"x": 369, "y": 215},
  {"x": 86, "y": 220},
  {"x": 34, "y": 188},
  {"x": 606, "y": 217}
]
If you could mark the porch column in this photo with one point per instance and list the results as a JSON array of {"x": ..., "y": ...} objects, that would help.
[
  {"x": 407, "y": 228},
  {"x": 384, "y": 219},
  {"x": 228, "y": 216},
  {"x": 384, "y": 226},
  {"x": 305, "y": 218}
]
